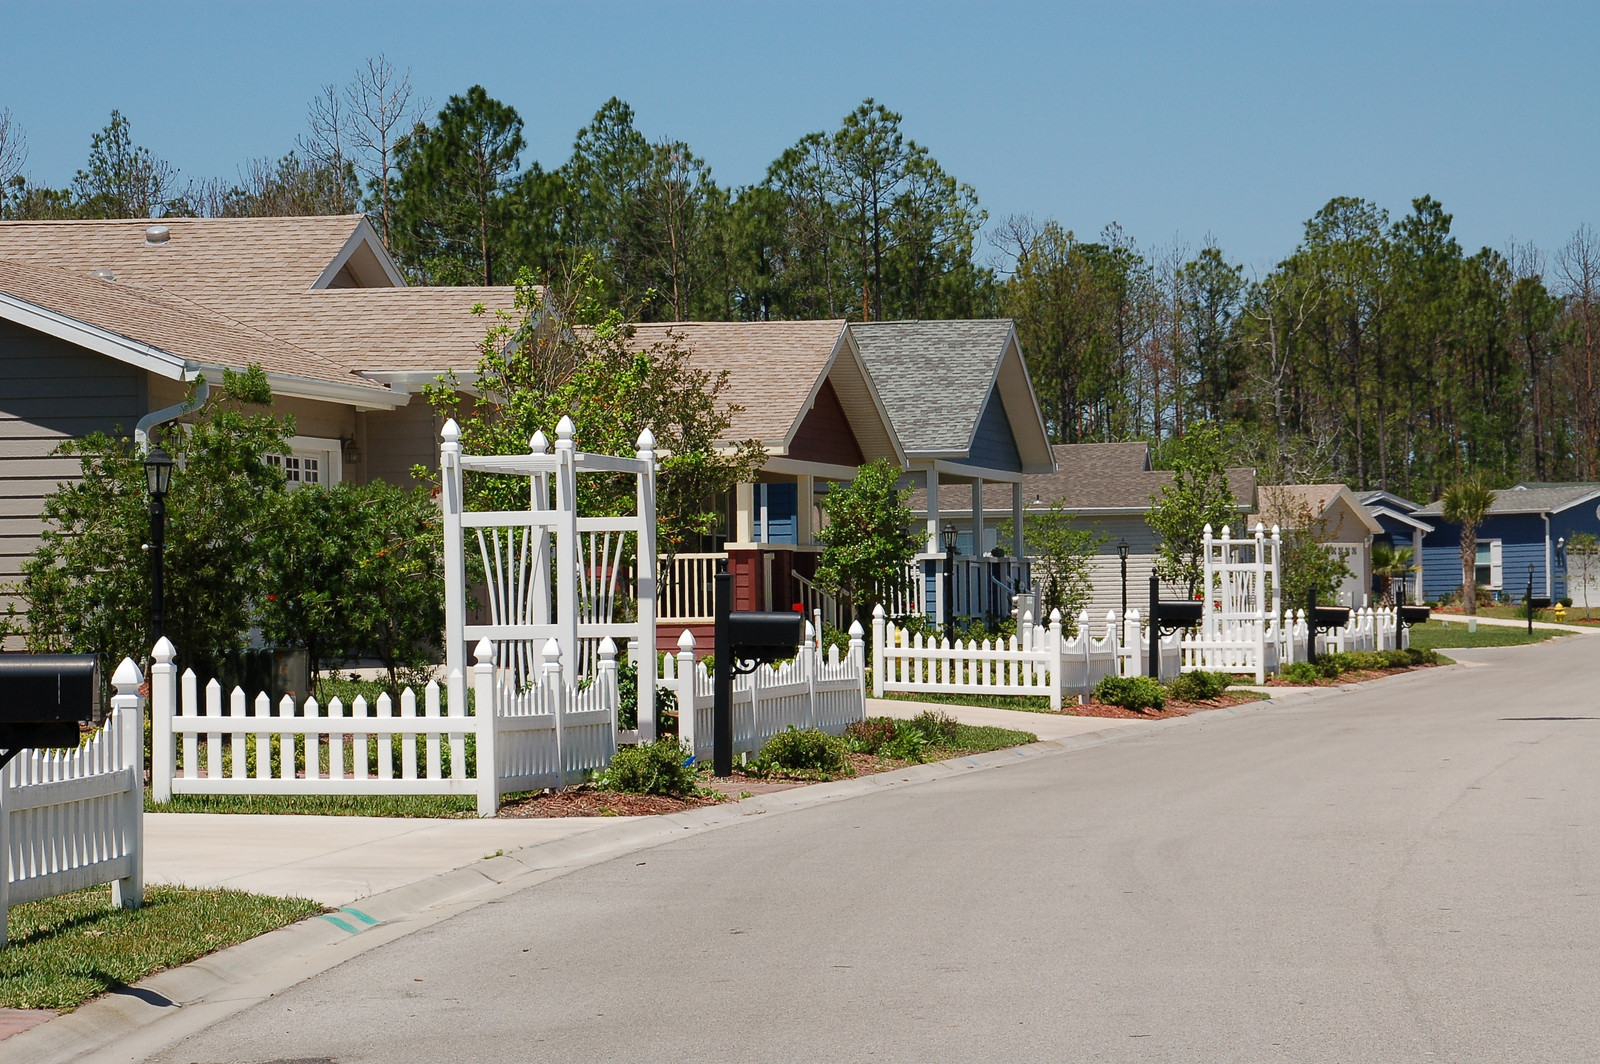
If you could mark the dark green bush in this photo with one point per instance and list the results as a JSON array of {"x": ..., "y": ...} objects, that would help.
[
  {"x": 807, "y": 752},
  {"x": 628, "y": 701},
  {"x": 1130, "y": 692},
  {"x": 869, "y": 736},
  {"x": 661, "y": 767},
  {"x": 1199, "y": 686},
  {"x": 1301, "y": 672}
]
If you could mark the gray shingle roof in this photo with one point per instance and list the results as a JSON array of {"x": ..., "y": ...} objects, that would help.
[
  {"x": 1543, "y": 498},
  {"x": 933, "y": 376}
]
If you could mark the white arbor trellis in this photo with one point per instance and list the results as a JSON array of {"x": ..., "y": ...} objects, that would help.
[
  {"x": 1239, "y": 625},
  {"x": 548, "y": 573}
]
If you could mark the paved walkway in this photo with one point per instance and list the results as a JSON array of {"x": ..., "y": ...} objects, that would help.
[
  {"x": 1044, "y": 725},
  {"x": 331, "y": 859},
  {"x": 1511, "y": 622}
]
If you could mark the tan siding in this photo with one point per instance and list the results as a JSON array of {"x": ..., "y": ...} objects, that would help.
[{"x": 399, "y": 439}]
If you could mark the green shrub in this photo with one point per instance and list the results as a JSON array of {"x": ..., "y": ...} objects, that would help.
[
  {"x": 1199, "y": 686},
  {"x": 1130, "y": 692},
  {"x": 937, "y": 727},
  {"x": 661, "y": 767},
  {"x": 1301, "y": 672},
  {"x": 870, "y": 735},
  {"x": 628, "y": 701},
  {"x": 807, "y": 752},
  {"x": 909, "y": 744}
]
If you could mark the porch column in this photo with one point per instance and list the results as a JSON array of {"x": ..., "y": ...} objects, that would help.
[
  {"x": 1416, "y": 560},
  {"x": 1017, "y": 544},
  {"x": 744, "y": 497},
  {"x": 805, "y": 488},
  {"x": 932, "y": 477},
  {"x": 977, "y": 517}
]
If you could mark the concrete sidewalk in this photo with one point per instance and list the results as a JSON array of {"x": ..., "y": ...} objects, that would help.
[
  {"x": 332, "y": 859},
  {"x": 1045, "y": 725},
  {"x": 1511, "y": 622}
]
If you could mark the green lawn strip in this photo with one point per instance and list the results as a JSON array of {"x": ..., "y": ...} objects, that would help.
[
  {"x": 395, "y": 805},
  {"x": 1026, "y": 703},
  {"x": 67, "y": 949},
  {"x": 1435, "y": 635},
  {"x": 1574, "y": 613},
  {"x": 980, "y": 739}
]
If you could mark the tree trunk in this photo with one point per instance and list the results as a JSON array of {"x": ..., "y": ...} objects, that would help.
[{"x": 1469, "y": 570}]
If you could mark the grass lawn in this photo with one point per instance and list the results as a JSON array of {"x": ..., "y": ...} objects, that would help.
[
  {"x": 401, "y": 805},
  {"x": 1435, "y": 635},
  {"x": 976, "y": 739},
  {"x": 1027, "y": 703},
  {"x": 67, "y": 949},
  {"x": 1514, "y": 612}
]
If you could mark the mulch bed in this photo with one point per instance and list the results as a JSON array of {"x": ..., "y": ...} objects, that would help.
[{"x": 1171, "y": 709}]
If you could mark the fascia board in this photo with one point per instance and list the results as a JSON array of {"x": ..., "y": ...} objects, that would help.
[
  {"x": 93, "y": 338},
  {"x": 362, "y": 234},
  {"x": 357, "y": 395}
]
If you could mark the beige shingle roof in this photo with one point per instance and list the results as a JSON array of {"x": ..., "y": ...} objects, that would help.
[
  {"x": 203, "y": 257},
  {"x": 1127, "y": 489},
  {"x": 167, "y": 322},
  {"x": 773, "y": 365}
]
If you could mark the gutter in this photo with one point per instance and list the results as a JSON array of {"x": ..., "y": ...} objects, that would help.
[{"x": 141, "y": 431}]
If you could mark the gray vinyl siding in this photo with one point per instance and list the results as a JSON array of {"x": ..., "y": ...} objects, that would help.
[
  {"x": 50, "y": 391},
  {"x": 995, "y": 444}
]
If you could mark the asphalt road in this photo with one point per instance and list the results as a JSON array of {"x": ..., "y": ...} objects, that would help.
[{"x": 1404, "y": 873}]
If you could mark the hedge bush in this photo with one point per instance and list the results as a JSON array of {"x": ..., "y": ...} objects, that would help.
[
  {"x": 803, "y": 752},
  {"x": 1199, "y": 686},
  {"x": 661, "y": 767},
  {"x": 1130, "y": 692}
]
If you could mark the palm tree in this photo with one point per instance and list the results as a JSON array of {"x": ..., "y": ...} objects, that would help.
[
  {"x": 1467, "y": 503},
  {"x": 1389, "y": 564}
]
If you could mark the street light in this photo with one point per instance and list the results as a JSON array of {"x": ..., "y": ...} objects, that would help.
[
  {"x": 949, "y": 534},
  {"x": 1122, "y": 552},
  {"x": 158, "y": 477}
]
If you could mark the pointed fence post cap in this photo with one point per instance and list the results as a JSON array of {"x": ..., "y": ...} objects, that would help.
[
  {"x": 564, "y": 430},
  {"x": 608, "y": 647},
  {"x": 647, "y": 440},
  {"x": 451, "y": 433},
  {"x": 856, "y": 631},
  {"x": 1207, "y": 529},
  {"x": 1027, "y": 616},
  {"x": 484, "y": 652},
  {"x": 877, "y": 611},
  {"x": 551, "y": 652},
  {"x": 1055, "y": 616},
  {"x": 164, "y": 651},
  {"x": 1274, "y": 531},
  {"x": 127, "y": 676},
  {"x": 686, "y": 640},
  {"x": 1226, "y": 532},
  {"x": 539, "y": 443},
  {"x": 1260, "y": 530}
]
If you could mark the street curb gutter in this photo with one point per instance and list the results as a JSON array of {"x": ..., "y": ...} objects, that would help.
[{"x": 134, "y": 1023}]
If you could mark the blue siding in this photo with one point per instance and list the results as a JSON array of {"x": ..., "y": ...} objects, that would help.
[
  {"x": 1522, "y": 543},
  {"x": 1569, "y": 522},
  {"x": 995, "y": 444},
  {"x": 782, "y": 503}
]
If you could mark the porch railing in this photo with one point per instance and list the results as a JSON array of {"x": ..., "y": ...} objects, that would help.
[{"x": 686, "y": 592}]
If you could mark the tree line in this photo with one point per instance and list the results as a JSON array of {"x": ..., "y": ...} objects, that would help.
[{"x": 1379, "y": 351}]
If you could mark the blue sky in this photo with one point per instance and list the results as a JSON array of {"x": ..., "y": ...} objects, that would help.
[{"x": 1235, "y": 121}]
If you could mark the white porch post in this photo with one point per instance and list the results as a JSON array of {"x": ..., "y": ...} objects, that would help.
[
  {"x": 805, "y": 495},
  {"x": 1416, "y": 560},
  {"x": 1018, "y": 545},
  {"x": 941, "y": 608},
  {"x": 744, "y": 498}
]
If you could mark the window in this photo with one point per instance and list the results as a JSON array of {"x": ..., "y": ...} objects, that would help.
[
  {"x": 1488, "y": 564},
  {"x": 310, "y": 461}
]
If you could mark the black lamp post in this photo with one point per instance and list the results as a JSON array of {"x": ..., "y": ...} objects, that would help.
[
  {"x": 1122, "y": 552},
  {"x": 158, "y": 477},
  {"x": 949, "y": 535}
]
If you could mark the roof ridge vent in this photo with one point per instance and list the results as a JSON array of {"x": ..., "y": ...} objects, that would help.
[
  {"x": 157, "y": 234},
  {"x": 103, "y": 272}
]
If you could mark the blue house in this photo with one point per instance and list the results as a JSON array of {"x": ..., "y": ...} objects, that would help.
[
  {"x": 1402, "y": 528},
  {"x": 1526, "y": 532}
]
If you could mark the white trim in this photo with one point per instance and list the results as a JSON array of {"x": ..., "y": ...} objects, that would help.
[
  {"x": 328, "y": 452},
  {"x": 93, "y": 338},
  {"x": 801, "y": 467},
  {"x": 847, "y": 340},
  {"x": 1398, "y": 516},
  {"x": 362, "y": 234},
  {"x": 961, "y": 469}
]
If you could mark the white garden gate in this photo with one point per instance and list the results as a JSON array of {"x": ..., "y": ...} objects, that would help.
[
  {"x": 1242, "y": 602},
  {"x": 547, "y": 573}
]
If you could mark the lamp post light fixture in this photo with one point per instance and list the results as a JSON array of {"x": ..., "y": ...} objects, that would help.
[
  {"x": 158, "y": 478},
  {"x": 1122, "y": 552},
  {"x": 949, "y": 535}
]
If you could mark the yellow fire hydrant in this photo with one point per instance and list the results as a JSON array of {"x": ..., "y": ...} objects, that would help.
[{"x": 1561, "y": 613}]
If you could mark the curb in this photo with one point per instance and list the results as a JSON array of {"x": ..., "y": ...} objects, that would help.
[{"x": 132, "y": 1023}]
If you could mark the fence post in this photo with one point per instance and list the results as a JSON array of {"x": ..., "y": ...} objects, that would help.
[
  {"x": 127, "y": 710},
  {"x": 486, "y": 721},
  {"x": 554, "y": 690},
  {"x": 163, "y": 704},
  {"x": 455, "y": 580},
  {"x": 812, "y": 656},
  {"x": 684, "y": 689},
  {"x": 1054, "y": 648},
  {"x": 858, "y": 662},
  {"x": 606, "y": 681},
  {"x": 646, "y": 587},
  {"x": 1133, "y": 640},
  {"x": 879, "y": 623}
]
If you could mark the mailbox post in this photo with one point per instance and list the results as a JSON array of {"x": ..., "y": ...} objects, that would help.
[
  {"x": 1167, "y": 617},
  {"x": 1321, "y": 619},
  {"x": 743, "y": 640},
  {"x": 46, "y": 697}
]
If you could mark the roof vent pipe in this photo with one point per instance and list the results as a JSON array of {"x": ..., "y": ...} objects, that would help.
[{"x": 157, "y": 234}]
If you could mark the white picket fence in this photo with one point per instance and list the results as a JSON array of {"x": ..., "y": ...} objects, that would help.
[
  {"x": 815, "y": 689},
  {"x": 1370, "y": 628},
  {"x": 71, "y": 819},
  {"x": 1085, "y": 660},
  {"x": 543, "y": 733},
  {"x": 1028, "y": 663}
]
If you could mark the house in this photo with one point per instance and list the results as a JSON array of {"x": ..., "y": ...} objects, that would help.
[
  {"x": 961, "y": 401},
  {"x": 106, "y": 324},
  {"x": 1107, "y": 489},
  {"x": 1335, "y": 518},
  {"x": 1401, "y": 529},
  {"x": 1523, "y": 538}
]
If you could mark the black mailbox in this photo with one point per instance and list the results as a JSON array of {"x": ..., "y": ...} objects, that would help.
[
  {"x": 1179, "y": 613},
  {"x": 767, "y": 636},
  {"x": 43, "y": 699},
  {"x": 1410, "y": 616},
  {"x": 1326, "y": 618},
  {"x": 1540, "y": 602}
]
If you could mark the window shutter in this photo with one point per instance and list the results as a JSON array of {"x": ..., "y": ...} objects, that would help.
[{"x": 1495, "y": 559}]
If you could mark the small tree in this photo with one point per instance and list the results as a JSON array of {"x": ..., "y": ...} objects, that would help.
[
  {"x": 1467, "y": 503},
  {"x": 1062, "y": 557},
  {"x": 868, "y": 539},
  {"x": 1199, "y": 495},
  {"x": 1584, "y": 550},
  {"x": 1389, "y": 564},
  {"x": 1304, "y": 561},
  {"x": 87, "y": 587}
]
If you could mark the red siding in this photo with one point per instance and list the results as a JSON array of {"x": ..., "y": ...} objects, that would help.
[{"x": 825, "y": 434}]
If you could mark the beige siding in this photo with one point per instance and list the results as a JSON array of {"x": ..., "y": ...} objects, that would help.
[
  {"x": 331, "y": 421},
  {"x": 50, "y": 391},
  {"x": 397, "y": 440}
]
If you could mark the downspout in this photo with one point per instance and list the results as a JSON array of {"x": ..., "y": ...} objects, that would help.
[
  {"x": 1549, "y": 562},
  {"x": 141, "y": 431}
]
